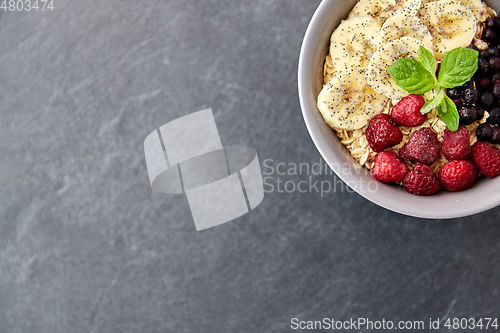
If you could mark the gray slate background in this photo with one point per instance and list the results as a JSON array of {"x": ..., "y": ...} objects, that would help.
[{"x": 87, "y": 246}]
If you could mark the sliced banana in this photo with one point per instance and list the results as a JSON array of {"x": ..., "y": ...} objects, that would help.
[
  {"x": 347, "y": 102},
  {"x": 353, "y": 43},
  {"x": 384, "y": 9},
  {"x": 404, "y": 26},
  {"x": 451, "y": 24},
  {"x": 477, "y": 7},
  {"x": 376, "y": 72}
]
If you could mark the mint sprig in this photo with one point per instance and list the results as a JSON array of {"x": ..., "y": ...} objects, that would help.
[
  {"x": 412, "y": 76},
  {"x": 419, "y": 77}
]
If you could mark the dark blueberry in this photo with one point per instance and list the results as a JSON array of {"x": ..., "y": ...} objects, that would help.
[
  {"x": 494, "y": 52},
  {"x": 490, "y": 23},
  {"x": 473, "y": 47},
  {"x": 454, "y": 93},
  {"x": 484, "y": 132},
  {"x": 468, "y": 115},
  {"x": 480, "y": 113},
  {"x": 495, "y": 91},
  {"x": 496, "y": 77},
  {"x": 485, "y": 53},
  {"x": 495, "y": 63},
  {"x": 497, "y": 22},
  {"x": 495, "y": 138},
  {"x": 485, "y": 100},
  {"x": 483, "y": 66},
  {"x": 483, "y": 83},
  {"x": 470, "y": 96},
  {"x": 467, "y": 85},
  {"x": 489, "y": 36},
  {"x": 494, "y": 117}
]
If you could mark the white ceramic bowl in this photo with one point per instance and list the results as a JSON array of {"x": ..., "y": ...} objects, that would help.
[{"x": 484, "y": 195}]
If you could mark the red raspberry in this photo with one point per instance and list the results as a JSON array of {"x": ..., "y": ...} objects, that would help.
[
  {"x": 458, "y": 175},
  {"x": 387, "y": 167},
  {"x": 487, "y": 159},
  {"x": 456, "y": 144},
  {"x": 422, "y": 147},
  {"x": 407, "y": 111},
  {"x": 382, "y": 134},
  {"x": 421, "y": 181}
]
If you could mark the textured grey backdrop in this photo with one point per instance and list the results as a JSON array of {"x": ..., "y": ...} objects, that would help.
[{"x": 87, "y": 246}]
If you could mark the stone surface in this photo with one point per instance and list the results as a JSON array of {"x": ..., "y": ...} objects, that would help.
[{"x": 87, "y": 246}]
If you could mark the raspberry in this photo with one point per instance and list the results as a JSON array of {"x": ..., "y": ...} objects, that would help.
[
  {"x": 421, "y": 181},
  {"x": 422, "y": 147},
  {"x": 456, "y": 144},
  {"x": 382, "y": 134},
  {"x": 458, "y": 175},
  {"x": 387, "y": 167},
  {"x": 486, "y": 158},
  {"x": 407, "y": 111}
]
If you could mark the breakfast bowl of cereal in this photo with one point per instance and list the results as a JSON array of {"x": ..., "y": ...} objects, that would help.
[{"x": 402, "y": 100}]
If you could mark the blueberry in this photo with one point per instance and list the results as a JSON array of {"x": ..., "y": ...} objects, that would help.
[
  {"x": 490, "y": 23},
  {"x": 485, "y": 53},
  {"x": 485, "y": 100},
  {"x": 483, "y": 66},
  {"x": 473, "y": 47},
  {"x": 496, "y": 77},
  {"x": 495, "y": 138},
  {"x": 480, "y": 113},
  {"x": 454, "y": 93},
  {"x": 483, "y": 83},
  {"x": 484, "y": 132},
  {"x": 495, "y": 91},
  {"x": 467, "y": 85},
  {"x": 494, "y": 52},
  {"x": 495, "y": 63},
  {"x": 489, "y": 35},
  {"x": 494, "y": 117},
  {"x": 468, "y": 115},
  {"x": 470, "y": 96}
]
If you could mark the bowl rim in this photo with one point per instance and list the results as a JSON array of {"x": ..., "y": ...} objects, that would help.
[{"x": 310, "y": 115}]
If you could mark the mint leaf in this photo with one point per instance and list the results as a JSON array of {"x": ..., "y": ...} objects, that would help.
[
  {"x": 441, "y": 108},
  {"x": 457, "y": 67},
  {"x": 427, "y": 59},
  {"x": 433, "y": 103},
  {"x": 449, "y": 115},
  {"x": 412, "y": 76}
]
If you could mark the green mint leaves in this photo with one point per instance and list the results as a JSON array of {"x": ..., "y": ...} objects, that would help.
[
  {"x": 447, "y": 110},
  {"x": 418, "y": 77},
  {"x": 433, "y": 103},
  {"x": 457, "y": 67},
  {"x": 427, "y": 59},
  {"x": 412, "y": 76}
]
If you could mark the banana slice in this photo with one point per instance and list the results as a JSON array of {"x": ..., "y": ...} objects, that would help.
[
  {"x": 353, "y": 43},
  {"x": 384, "y": 9},
  {"x": 477, "y": 7},
  {"x": 347, "y": 102},
  {"x": 404, "y": 26},
  {"x": 451, "y": 24},
  {"x": 376, "y": 72}
]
